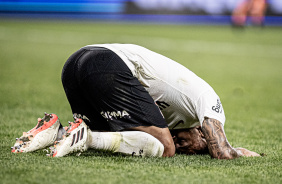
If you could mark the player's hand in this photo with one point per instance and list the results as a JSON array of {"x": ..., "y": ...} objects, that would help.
[{"x": 247, "y": 153}]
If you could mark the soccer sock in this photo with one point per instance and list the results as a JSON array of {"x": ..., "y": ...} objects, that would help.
[{"x": 135, "y": 143}]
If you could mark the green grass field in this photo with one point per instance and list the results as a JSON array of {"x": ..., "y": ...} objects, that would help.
[{"x": 243, "y": 66}]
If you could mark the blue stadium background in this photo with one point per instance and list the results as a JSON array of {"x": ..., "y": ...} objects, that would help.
[{"x": 161, "y": 11}]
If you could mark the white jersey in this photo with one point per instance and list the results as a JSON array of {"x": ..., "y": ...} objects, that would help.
[{"x": 183, "y": 98}]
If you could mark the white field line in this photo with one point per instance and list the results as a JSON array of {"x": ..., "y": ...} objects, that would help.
[{"x": 158, "y": 43}]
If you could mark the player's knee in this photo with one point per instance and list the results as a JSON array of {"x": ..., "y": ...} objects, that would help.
[
  {"x": 154, "y": 147},
  {"x": 140, "y": 143},
  {"x": 169, "y": 148},
  {"x": 163, "y": 135}
]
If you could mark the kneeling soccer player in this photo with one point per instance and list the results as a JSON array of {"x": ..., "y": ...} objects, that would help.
[{"x": 126, "y": 98}]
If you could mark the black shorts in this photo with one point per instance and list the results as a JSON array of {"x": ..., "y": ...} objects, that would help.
[{"x": 99, "y": 85}]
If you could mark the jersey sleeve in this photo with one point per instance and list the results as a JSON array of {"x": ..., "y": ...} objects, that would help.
[{"x": 209, "y": 105}]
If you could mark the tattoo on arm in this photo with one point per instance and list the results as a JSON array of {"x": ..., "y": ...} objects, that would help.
[{"x": 217, "y": 142}]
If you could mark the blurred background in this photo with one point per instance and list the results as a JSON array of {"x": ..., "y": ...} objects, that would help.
[{"x": 161, "y": 11}]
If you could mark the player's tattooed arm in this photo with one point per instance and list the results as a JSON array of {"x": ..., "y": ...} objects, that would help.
[{"x": 217, "y": 142}]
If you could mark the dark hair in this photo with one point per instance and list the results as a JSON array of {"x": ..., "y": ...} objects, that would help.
[{"x": 189, "y": 141}]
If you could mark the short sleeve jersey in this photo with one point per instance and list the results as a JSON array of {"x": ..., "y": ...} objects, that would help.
[{"x": 183, "y": 98}]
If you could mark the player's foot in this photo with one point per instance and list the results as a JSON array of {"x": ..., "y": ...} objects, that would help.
[
  {"x": 74, "y": 140},
  {"x": 42, "y": 135}
]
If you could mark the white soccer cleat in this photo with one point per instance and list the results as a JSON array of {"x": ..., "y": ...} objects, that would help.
[
  {"x": 41, "y": 136},
  {"x": 74, "y": 140}
]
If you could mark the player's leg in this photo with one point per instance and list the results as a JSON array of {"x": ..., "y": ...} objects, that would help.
[
  {"x": 239, "y": 14},
  {"x": 123, "y": 101},
  {"x": 135, "y": 143},
  {"x": 257, "y": 12},
  {"x": 79, "y": 138},
  {"x": 163, "y": 135},
  {"x": 113, "y": 93}
]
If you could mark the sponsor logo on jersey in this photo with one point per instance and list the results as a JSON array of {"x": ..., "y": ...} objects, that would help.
[
  {"x": 218, "y": 107},
  {"x": 115, "y": 114}
]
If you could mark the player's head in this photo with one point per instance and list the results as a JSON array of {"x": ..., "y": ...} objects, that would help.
[{"x": 190, "y": 141}]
